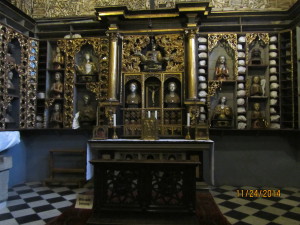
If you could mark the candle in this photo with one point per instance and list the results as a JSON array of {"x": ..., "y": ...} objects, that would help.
[
  {"x": 148, "y": 114},
  {"x": 188, "y": 119},
  {"x": 115, "y": 119},
  {"x": 155, "y": 114}
]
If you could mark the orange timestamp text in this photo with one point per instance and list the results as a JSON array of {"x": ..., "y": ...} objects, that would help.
[{"x": 263, "y": 193}]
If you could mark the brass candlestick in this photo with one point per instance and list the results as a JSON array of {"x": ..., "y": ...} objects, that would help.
[
  {"x": 115, "y": 136},
  {"x": 188, "y": 136}
]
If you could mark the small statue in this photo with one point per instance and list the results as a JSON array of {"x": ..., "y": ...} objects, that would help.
[
  {"x": 88, "y": 67},
  {"x": 56, "y": 119},
  {"x": 58, "y": 60},
  {"x": 133, "y": 99},
  {"x": 152, "y": 60},
  {"x": 87, "y": 114},
  {"x": 222, "y": 115},
  {"x": 256, "y": 57},
  {"x": 9, "y": 57},
  {"x": 8, "y": 117},
  {"x": 57, "y": 87},
  {"x": 256, "y": 88},
  {"x": 221, "y": 70},
  {"x": 172, "y": 99},
  {"x": 10, "y": 85},
  {"x": 257, "y": 119}
]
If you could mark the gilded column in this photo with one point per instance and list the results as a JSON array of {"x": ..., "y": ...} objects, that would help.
[
  {"x": 191, "y": 65},
  {"x": 113, "y": 67}
]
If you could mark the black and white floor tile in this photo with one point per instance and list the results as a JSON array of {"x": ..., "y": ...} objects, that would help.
[
  {"x": 283, "y": 210},
  {"x": 35, "y": 204}
]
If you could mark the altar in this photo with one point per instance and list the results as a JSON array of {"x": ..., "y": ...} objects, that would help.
[
  {"x": 162, "y": 149},
  {"x": 147, "y": 181}
]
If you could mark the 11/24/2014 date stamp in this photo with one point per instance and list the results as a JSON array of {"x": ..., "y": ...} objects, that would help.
[{"x": 263, "y": 193}]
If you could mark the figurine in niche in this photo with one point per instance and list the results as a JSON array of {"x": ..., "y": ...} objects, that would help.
[
  {"x": 57, "y": 87},
  {"x": 256, "y": 57},
  {"x": 257, "y": 86},
  {"x": 8, "y": 118},
  {"x": 221, "y": 70},
  {"x": 9, "y": 56},
  {"x": 58, "y": 60},
  {"x": 87, "y": 114},
  {"x": 172, "y": 99},
  {"x": 87, "y": 67},
  {"x": 257, "y": 119},
  {"x": 133, "y": 99},
  {"x": 56, "y": 119},
  {"x": 10, "y": 85},
  {"x": 152, "y": 60},
  {"x": 222, "y": 114}
]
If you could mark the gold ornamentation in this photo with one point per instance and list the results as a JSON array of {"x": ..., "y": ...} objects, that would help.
[
  {"x": 132, "y": 43},
  {"x": 71, "y": 47},
  {"x": 133, "y": 77},
  {"x": 67, "y": 8},
  {"x": 231, "y": 40},
  {"x": 213, "y": 86},
  {"x": 250, "y": 37},
  {"x": 95, "y": 88},
  {"x": 213, "y": 40},
  {"x": 32, "y": 82},
  {"x": 7, "y": 35},
  {"x": 173, "y": 45},
  {"x": 147, "y": 75},
  {"x": 173, "y": 75},
  {"x": 264, "y": 37}
]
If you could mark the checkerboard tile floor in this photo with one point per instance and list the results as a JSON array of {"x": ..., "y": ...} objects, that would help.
[
  {"x": 34, "y": 204},
  {"x": 283, "y": 210}
]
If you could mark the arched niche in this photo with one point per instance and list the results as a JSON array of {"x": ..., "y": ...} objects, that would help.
[
  {"x": 133, "y": 94},
  {"x": 222, "y": 49},
  {"x": 86, "y": 64},
  {"x": 153, "y": 92},
  {"x": 171, "y": 101}
]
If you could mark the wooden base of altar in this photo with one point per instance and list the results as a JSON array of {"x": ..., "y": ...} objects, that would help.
[{"x": 144, "y": 192}]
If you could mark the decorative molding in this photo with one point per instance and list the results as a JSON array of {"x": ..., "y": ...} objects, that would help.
[{"x": 69, "y": 8}]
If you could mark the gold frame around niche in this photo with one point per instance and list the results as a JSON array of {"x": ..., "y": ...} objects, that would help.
[
  {"x": 71, "y": 47},
  {"x": 27, "y": 81},
  {"x": 231, "y": 39}
]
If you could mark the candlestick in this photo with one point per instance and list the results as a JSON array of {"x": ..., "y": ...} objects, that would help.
[
  {"x": 155, "y": 114},
  {"x": 188, "y": 119},
  {"x": 149, "y": 114},
  {"x": 115, "y": 120}
]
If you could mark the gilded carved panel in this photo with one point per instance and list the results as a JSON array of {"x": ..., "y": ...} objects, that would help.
[
  {"x": 172, "y": 44},
  {"x": 68, "y": 8}
]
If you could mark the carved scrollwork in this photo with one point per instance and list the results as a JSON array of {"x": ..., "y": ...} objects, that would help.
[
  {"x": 132, "y": 43},
  {"x": 264, "y": 37},
  {"x": 213, "y": 40},
  {"x": 213, "y": 86},
  {"x": 173, "y": 45}
]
